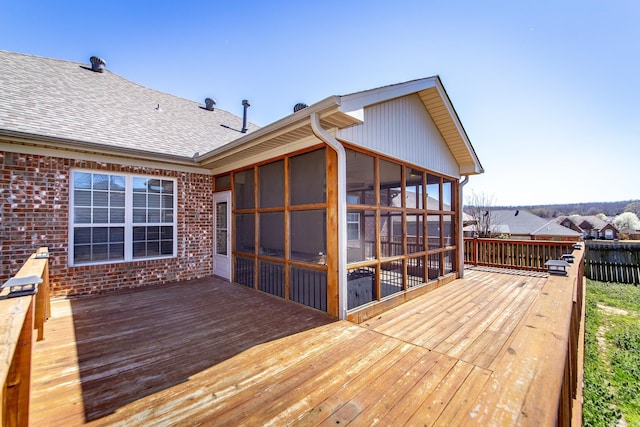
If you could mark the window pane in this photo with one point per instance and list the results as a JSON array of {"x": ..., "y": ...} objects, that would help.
[
  {"x": 167, "y": 215},
  {"x": 223, "y": 182},
  {"x": 116, "y": 199},
  {"x": 82, "y": 198},
  {"x": 166, "y": 247},
  {"x": 390, "y": 184},
  {"x": 154, "y": 185},
  {"x": 153, "y": 201},
  {"x": 433, "y": 192},
  {"x": 100, "y": 215},
  {"x": 167, "y": 201},
  {"x": 81, "y": 253},
  {"x": 116, "y": 251},
  {"x": 82, "y": 236},
  {"x": 139, "y": 185},
  {"x": 271, "y": 178},
  {"x": 139, "y": 249},
  {"x": 433, "y": 228},
  {"x": 100, "y": 182},
  {"x": 117, "y": 216},
  {"x": 391, "y": 234},
  {"x": 414, "y": 187},
  {"x": 308, "y": 236},
  {"x": 100, "y": 253},
  {"x": 243, "y": 190},
  {"x": 100, "y": 198},
  {"x": 139, "y": 234},
  {"x": 364, "y": 247},
  {"x": 139, "y": 200},
  {"x": 167, "y": 186},
  {"x": 100, "y": 235},
  {"x": 272, "y": 234},
  {"x": 139, "y": 215},
  {"x": 360, "y": 178},
  {"x": 153, "y": 215},
  {"x": 415, "y": 233},
  {"x": 447, "y": 195},
  {"x": 307, "y": 178},
  {"x": 116, "y": 234},
  {"x": 82, "y": 215},
  {"x": 449, "y": 231},
  {"x": 81, "y": 180},
  {"x": 245, "y": 232},
  {"x": 117, "y": 183}
]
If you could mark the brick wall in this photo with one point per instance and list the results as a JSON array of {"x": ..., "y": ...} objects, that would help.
[{"x": 34, "y": 212}]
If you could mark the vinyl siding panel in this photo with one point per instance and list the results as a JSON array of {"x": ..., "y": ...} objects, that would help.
[{"x": 402, "y": 128}]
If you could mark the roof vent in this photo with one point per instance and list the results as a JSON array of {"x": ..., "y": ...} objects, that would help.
[
  {"x": 299, "y": 106},
  {"x": 97, "y": 64},
  {"x": 246, "y": 105},
  {"x": 209, "y": 104}
]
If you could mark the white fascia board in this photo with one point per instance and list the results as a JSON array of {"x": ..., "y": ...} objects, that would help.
[
  {"x": 302, "y": 115},
  {"x": 350, "y": 104},
  {"x": 463, "y": 134}
]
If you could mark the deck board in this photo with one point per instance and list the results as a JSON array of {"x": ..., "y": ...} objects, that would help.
[{"x": 212, "y": 352}]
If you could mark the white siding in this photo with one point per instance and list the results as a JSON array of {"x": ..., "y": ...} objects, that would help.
[{"x": 402, "y": 128}]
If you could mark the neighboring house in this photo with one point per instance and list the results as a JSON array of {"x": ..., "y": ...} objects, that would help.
[
  {"x": 523, "y": 225},
  {"x": 331, "y": 206},
  {"x": 590, "y": 226}
]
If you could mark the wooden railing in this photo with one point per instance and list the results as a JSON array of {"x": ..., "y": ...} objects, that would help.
[
  {"x": 517, "y": 254},
  {"x": 18, "y": 318}
]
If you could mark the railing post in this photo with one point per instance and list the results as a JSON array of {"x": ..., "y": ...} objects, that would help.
[{"x": 17, "y": 388}]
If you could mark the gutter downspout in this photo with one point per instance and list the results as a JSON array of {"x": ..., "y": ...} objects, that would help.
[
  {"x": 461, "y": 217},
  {"x": 342, "y": 210}
]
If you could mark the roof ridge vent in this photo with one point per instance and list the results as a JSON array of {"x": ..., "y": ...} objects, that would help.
[
  {"x": 299, "y": 106},
  {"x": 210, "y": 104},
  {"x": 97, "y": 64}
]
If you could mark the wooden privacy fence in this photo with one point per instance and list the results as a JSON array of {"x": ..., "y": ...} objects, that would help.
[
  {"x": 517, "y": 254},
  {"x": 18, "y": 317},
  {"x": 617, "y": 262}
]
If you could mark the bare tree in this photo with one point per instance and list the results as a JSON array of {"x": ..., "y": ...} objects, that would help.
[{"x": 478, "y": 206}]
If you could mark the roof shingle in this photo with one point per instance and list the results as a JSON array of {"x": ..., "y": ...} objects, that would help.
[{"x": 66, "y": 100}]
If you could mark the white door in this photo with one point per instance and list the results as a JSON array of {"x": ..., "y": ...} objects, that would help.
[{"x": 222, "y": 234}]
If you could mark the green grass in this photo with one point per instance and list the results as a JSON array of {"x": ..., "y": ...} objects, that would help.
[{"x": 612, "y": 355}]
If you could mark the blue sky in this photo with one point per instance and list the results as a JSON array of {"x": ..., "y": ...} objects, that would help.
[{"x": 547, "y": 90}]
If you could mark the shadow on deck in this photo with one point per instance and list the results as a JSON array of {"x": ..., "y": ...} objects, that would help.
[{"x": 132, "y": 344}]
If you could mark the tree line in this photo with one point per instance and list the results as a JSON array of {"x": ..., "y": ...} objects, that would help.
[{"x": 594, "y": 208}]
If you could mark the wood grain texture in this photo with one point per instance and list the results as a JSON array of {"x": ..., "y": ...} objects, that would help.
[{"x": 210, "y": 352}]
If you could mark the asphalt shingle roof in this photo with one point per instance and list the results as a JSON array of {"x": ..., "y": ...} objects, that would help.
[
  {"x": 62, "y": 99},
  {"x": 523, "y": 222}
]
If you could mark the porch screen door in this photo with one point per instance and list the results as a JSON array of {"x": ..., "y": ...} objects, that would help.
[{"x": 222, "y": 232}]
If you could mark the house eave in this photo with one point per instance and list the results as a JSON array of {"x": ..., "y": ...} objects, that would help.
[
  {"x": 289, "y": 129},
  {"x": 79, "y": 146}
]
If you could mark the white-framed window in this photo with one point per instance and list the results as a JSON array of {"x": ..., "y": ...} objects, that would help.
[
  {"x": 117, "y": 217},
  {"x": 353, "y": 226}
]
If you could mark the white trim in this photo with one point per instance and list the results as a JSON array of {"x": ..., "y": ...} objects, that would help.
[
  {"x": 128, "y": 224},
  {"x": 101, "y": 158}
]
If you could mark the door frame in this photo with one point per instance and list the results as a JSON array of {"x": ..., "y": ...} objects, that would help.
[{"x": 222, "y": 262}]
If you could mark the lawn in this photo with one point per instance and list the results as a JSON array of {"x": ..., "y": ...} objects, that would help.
[{"x": 612, "y": 355}]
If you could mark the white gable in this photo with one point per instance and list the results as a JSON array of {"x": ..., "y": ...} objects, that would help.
[{"x": 402, "y": 128}]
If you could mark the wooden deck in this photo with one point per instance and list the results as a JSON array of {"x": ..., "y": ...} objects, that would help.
[{"x": 477, "y": 351}]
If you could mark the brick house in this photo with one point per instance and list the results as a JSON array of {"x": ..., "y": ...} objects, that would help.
[
  {"x": 590, "y": 226},
  {"x": 343, "y": 205}
]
